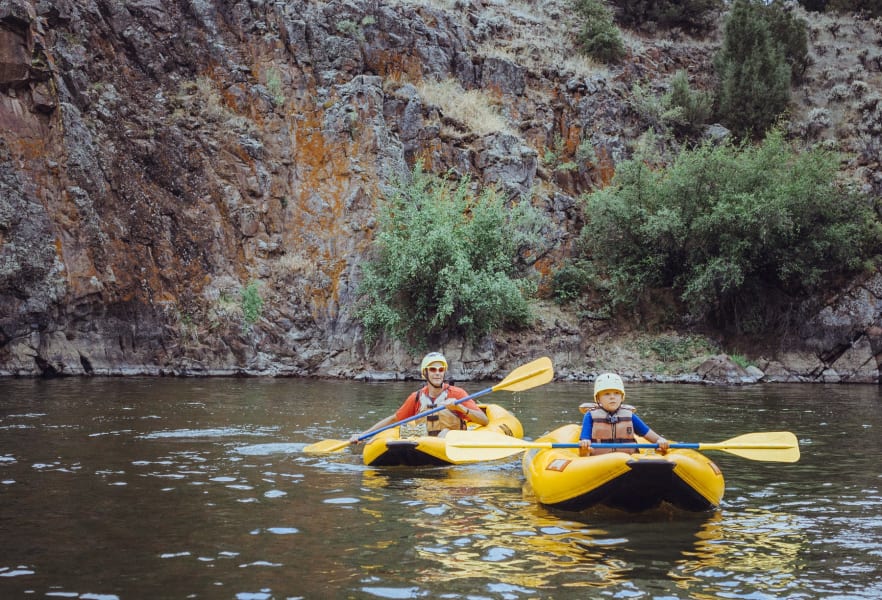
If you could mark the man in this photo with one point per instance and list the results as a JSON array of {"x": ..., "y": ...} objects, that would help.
[{"x": 434, "y": 394}]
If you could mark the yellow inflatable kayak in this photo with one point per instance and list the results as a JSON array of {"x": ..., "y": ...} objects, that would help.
[
  {"x": 562, "y": 479},
  {"x": 387, "y": 448}
]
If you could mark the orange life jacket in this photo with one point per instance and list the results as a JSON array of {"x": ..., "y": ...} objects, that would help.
[
  {"x": 434, "y": 423},
  {"x": 616, "y": 428}
]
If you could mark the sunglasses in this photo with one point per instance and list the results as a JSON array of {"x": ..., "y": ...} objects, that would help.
[{"x": 436, "y": 369}]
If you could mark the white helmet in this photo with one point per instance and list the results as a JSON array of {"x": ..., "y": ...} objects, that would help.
[
  {"x": 432, "y": 357},
  {"x": 608, "y": 381}
]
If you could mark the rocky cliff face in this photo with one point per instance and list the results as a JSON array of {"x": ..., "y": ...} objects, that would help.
[{"x": 158, "y": 159}]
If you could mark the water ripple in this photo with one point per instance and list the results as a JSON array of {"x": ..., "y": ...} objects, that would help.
[
  {"x": 218, "y": 432},
  {"x": 269, "y": 449},
  {"x": 342, "y": 501},
  {"x": 392, "y": 593},
  {"x": 16, "y": 572}
]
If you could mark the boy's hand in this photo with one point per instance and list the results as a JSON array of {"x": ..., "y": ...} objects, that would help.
[
  {"x": 663, "y": 445},
  {"x": 584, "y": 447}
]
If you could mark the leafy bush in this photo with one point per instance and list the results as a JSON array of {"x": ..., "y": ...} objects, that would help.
[
  {"x": 569, "y": 282},
  {"x": 694, "y": 16},
  {"x": 738, "y": 232},
  {"x": 449, "y": 263},
  {"x": 753, "y": 71},
  {"x": 653, "y": 111},
  {"x": 252, "y": 303},
  {"x": 675, "y": 348},
  {"x": 681, "y": 109},
  {"x": 598, "y": 37},
  {"x": 694, "y": 107}
]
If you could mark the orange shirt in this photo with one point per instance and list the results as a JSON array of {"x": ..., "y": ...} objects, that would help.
[{"x": 411, "y": 407}]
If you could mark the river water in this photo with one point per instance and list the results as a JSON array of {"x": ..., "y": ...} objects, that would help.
[{"x": 199, "y": 488}]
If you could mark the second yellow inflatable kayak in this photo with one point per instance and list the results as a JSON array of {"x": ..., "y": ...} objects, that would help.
[{"x": 387, "y": 448}]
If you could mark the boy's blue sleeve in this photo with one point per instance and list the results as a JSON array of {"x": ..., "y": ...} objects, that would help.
[
  {"x": 587, "y": 427},
  {"x": 640, "y": 428}
]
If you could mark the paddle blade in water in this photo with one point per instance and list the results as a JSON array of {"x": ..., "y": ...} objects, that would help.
[{"x": 326, "y": 446}]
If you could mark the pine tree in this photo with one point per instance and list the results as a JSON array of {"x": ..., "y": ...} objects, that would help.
[
  {"x": 753, "y": 71},
  {"x": 598, "y": 36},
  {"x": 791, "y": 33}
]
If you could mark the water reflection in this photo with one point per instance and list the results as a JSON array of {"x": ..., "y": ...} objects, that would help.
[
  {"x": 477, "y": 521},
  {"x": 755, "y": 548},
  {"x": 465, "y": 521}
]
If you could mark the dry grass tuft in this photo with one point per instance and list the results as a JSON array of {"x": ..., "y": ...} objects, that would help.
[
  {"x": 476, "y": 110},
  {"x": 541, "y": 34}
]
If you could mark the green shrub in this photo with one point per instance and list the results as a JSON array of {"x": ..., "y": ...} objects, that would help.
[
  {"x": 694, "y": 107},
  {"x": 447, "y": 262},
  {"x": 553, "y": 157},
  {"x": 871, "y": 8},
  {"x": 651, "y": 108},
  {"x": 681, "y": 110},
  {"x": 694, "y": 16},
  {"x": 675, "y": 348},
  {"x": 275, "y": 88},
  {"x": 738, "y": 232},
  {"x": 252, "y": 303},
  {"x": 598, "y": 37},
  {"x": 569, "y": 282},
  {"x": 753, "y": 71}
]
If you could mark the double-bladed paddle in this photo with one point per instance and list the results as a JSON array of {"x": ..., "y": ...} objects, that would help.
[
  {"x": 526, "y": 377},
  {"x": 772, "y": 446}
]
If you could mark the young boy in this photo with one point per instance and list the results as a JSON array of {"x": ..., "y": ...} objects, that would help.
[{"x": 608, "y": 420}]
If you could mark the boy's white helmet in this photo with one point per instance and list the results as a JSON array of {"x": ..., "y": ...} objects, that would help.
[{"x": 608, "y": 381}]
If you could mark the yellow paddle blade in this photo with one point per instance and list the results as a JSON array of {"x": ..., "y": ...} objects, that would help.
[
  {"x": 528, "y": 376},
  {"x": 483, "y": 445},
  {"x": 770, "y": 446},
  {"x": 326, "y": 446}
]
